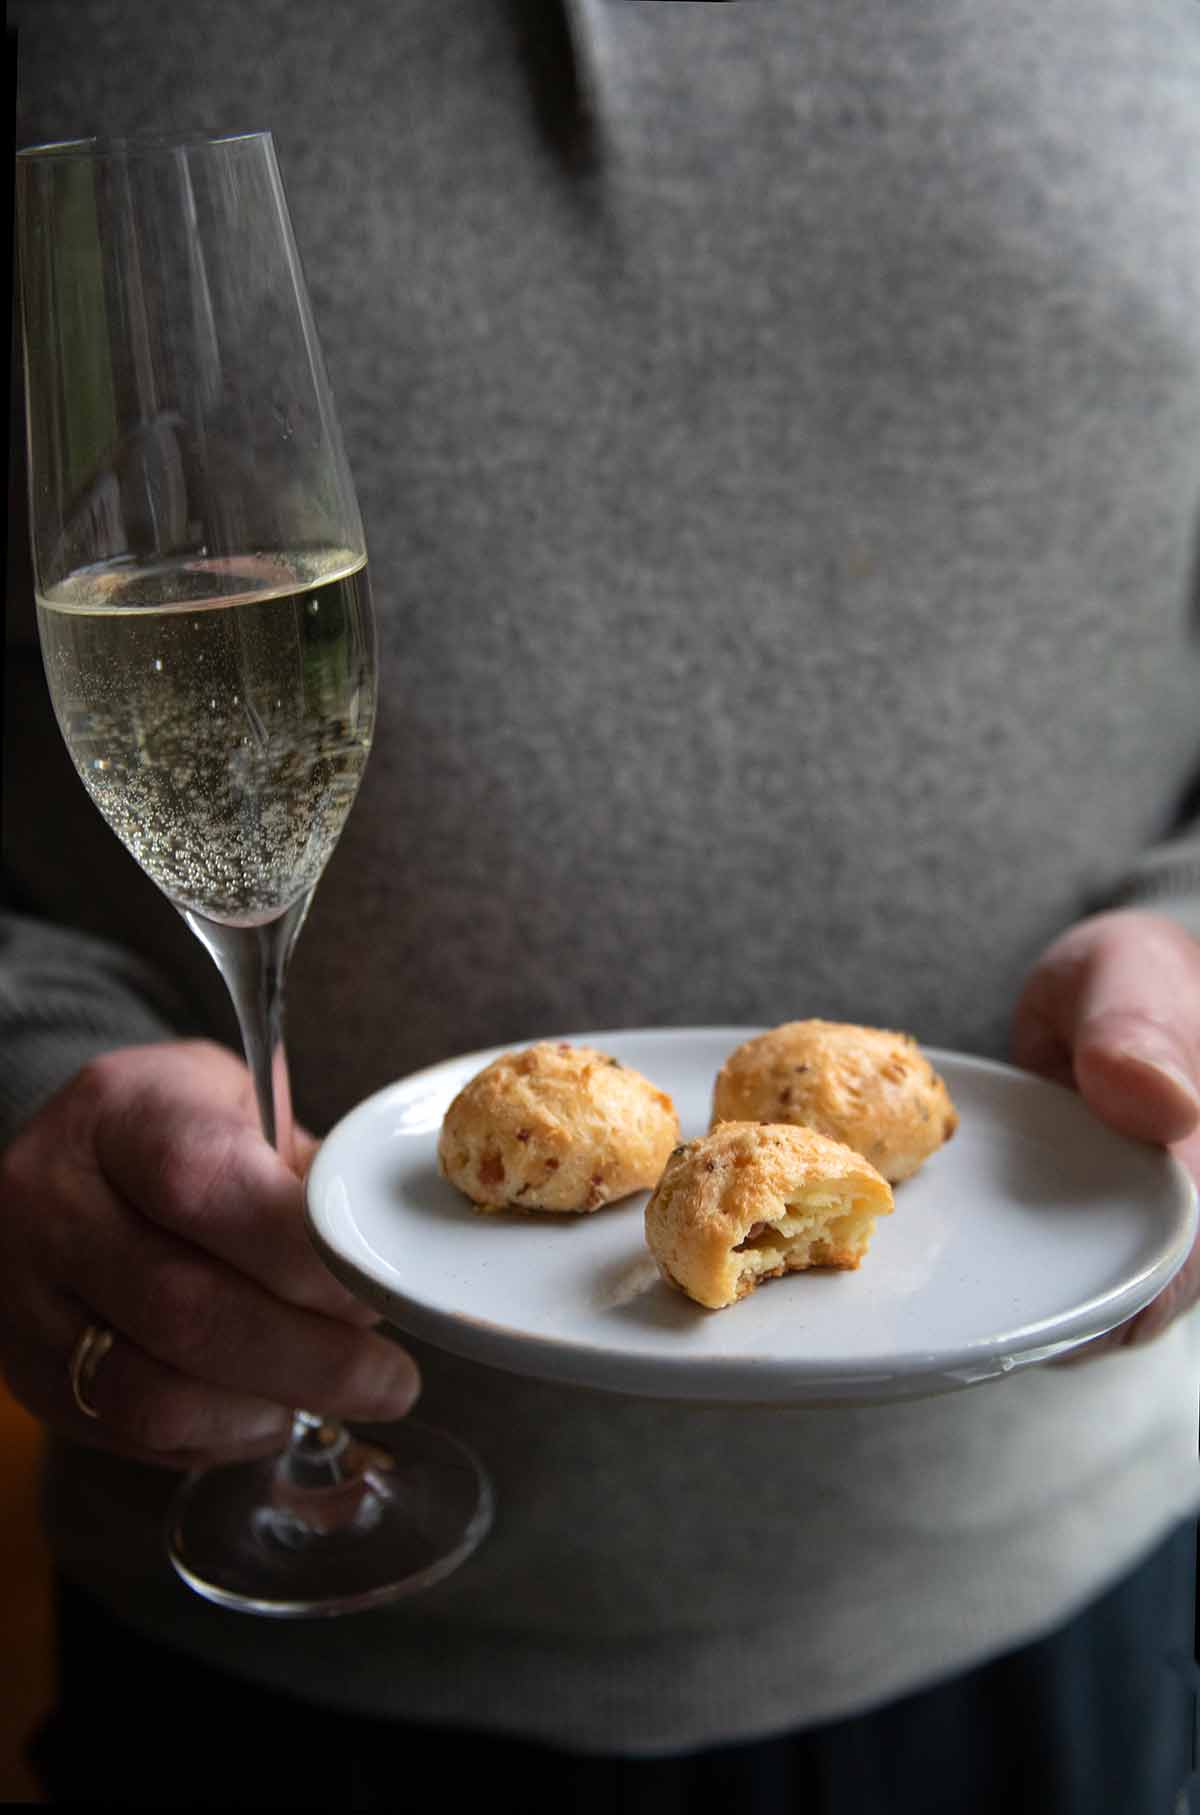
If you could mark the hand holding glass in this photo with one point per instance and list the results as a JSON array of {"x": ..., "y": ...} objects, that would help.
[{"x": 207, "y": 632}]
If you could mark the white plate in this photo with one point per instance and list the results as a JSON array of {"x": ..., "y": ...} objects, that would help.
[{"x": 1033, "y": 1230}]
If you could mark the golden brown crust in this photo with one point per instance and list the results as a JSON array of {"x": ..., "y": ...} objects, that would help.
[
  {"x": 750, "y": 1200},
  {"x": 556, "y": 1127},
  {"x": 867, "y": 1086}
]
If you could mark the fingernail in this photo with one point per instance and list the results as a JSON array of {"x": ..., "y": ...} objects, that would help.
[
  {"x": 404, "y": 1388},
  {"x": 272, "y": 1427},
  {"x": 1154, "y": 1060}
]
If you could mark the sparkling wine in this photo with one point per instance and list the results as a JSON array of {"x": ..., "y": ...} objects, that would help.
[{"x": 220, "y": 715}]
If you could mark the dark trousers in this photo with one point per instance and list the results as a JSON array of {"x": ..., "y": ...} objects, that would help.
[{"x": 1097, "y": 1719}]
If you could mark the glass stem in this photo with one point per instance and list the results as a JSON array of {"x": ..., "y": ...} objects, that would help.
[{"x": 253, "y": 960}]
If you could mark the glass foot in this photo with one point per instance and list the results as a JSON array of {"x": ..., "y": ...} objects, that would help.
[{"x": 390, "y": 1509}]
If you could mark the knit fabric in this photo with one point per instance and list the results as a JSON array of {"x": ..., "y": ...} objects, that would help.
[{"x": 778, "y": 434}]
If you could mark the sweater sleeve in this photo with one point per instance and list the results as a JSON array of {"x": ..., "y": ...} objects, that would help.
[
  {"x": 65, "y": 997},
  {"x": 1167, "y": 879}
]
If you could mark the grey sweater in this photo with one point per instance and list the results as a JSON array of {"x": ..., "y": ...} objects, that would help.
[{"x": 778, "y": 432}]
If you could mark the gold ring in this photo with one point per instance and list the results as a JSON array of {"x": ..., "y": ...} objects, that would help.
[{"x": 86, "y": 1357}]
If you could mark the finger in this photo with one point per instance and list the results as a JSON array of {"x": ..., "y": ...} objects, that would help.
[
  {"x": 151, "y": 1409},
  {"x": 196, "y": 1314},
  {"x": 305, "y": 1147},
  {"x": 1118, "y": 1001},
  {"x": 144, "y": 1410},
  {"x": 1146, "y": 1095},
  {"x": 1135, "y": 1033},
  {"x": 213, "y": 1180},
  {"x": 197, "y": 1072}
]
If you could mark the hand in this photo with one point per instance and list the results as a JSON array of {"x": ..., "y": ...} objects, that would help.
[
  {"x": 144, "y": 1197},
  {"x": 1113, "y": 1007}
]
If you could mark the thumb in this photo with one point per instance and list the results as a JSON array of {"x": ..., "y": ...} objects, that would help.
[
  {"x": 1118, "y": 998},
  {"x": 304, "y": 1149}
]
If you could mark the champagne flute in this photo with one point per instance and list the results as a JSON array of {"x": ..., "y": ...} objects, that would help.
[{"x": 208, "y": 639}]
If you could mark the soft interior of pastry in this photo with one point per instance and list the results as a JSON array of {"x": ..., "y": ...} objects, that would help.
[{"x": 817, "y": 1229}]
